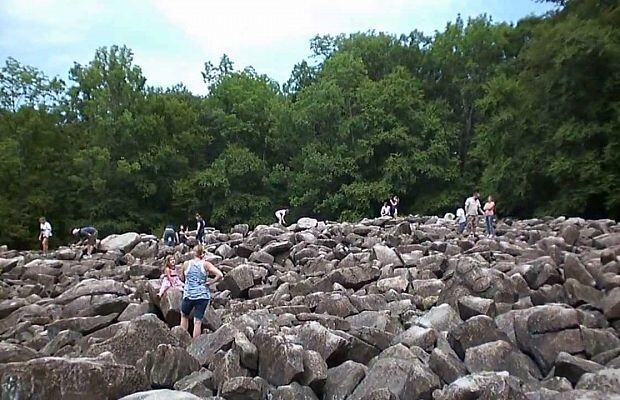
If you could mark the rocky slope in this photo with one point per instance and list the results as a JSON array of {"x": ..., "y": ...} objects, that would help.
[{"x": 382, "y": 309}]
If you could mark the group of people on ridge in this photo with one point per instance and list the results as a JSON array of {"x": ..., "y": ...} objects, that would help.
[
  {"x": 467, "y": 218},
  {"x": 171, "y": 237},
  {"x": 390, "y": 207},
  {"x": 85, "y": 235}
]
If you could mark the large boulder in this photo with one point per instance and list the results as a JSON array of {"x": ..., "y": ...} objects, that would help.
[
  {"x": 307, "y": 223},
  {"x": 161, "y": 394},
  {"x": 238, "y": 281},
  {"x": 314, "y": 336},
  {"x": 399, "y": 372},
  {"x": 61, "y": 378},
  {"x": 205, "y": 346},
  {"x": 343, "y": 379},
  {"x": 279, "y": 361},
  {"x": 244, "y": 388},
  {"x": 484, "y": 385},
  {"x": 170, "y": 305},
  {"x": 135, "y": 338},
  {"x": 91, "y": 287},
  {"x": 124, "y": 242},
  {"x": 386, "y": 255},
  {"x": 501, "y": 356},
  {"x": 606, "y": 380},
  {"x": 10, "y": 352},
  {"x": 83, "y": 325},
  {"x": 166, "y": 365}
]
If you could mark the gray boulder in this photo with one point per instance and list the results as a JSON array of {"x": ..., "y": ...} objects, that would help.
[{"x": 166, "y": 365}]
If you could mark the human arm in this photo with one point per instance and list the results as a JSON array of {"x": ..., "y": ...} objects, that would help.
[
  {"x": 182, "y": 271},
  {"x": 168, "y": 275},
  {"x": 214, "y": 271}
]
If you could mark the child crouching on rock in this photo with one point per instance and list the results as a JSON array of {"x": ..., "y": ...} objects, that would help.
[{"x": 170, "y": 278}]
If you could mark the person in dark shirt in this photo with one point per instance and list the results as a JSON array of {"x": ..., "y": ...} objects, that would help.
[
  {"x": 170, "y": 236},
  {"x": 88, "y": 235},
  {"x": 182, "y": 234},
  {"x": 200, "y": 228}
]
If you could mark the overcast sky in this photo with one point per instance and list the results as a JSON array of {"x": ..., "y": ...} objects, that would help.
[{"x": 172, "y": 39}]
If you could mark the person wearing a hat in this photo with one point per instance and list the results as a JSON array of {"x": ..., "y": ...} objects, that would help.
[{"x": 88, "y": 235}]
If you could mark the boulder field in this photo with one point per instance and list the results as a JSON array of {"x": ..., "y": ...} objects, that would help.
[{"x": 383, "y": 309}]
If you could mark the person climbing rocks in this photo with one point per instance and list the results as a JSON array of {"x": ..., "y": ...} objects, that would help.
[
  {"x": 88, "y": 235},
  {"x": 182, "y": 234},
  {"x": 196, "y": 293},
  {"x": 385, "y": 209},
  {"x": 200, "y": 228},
  {"x": 461, "y": 220},
  {"x": 489, "y": 216},
  {"x": 45, "y": 233},
  {"x": 281, "y": 214},
  {"x": 472, "y": 211},
  {"x": 170, "y": 278},
  {"x": 170, "y": 237},
  {"x": 394, "y": 206}
]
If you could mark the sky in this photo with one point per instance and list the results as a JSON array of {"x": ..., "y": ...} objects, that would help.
[{"x": 172, "y": 39}]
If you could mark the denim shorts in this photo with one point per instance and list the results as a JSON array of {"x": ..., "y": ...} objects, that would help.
[{"x": 199, "y": 306}]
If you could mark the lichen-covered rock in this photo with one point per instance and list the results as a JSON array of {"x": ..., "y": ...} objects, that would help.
[{"x": 61, "y": 378}]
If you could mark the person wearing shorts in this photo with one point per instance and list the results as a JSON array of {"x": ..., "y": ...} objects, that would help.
[
  {"x": 196, "y": 294},
  {"x": 88, "y": 235},
  {"x": 45, "y": 232}
]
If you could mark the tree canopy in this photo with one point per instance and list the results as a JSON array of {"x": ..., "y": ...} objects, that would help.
[{"x": 529, "y": 113}]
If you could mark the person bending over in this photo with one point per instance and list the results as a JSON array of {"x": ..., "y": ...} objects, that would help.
[
  {"x": 280, "y": 215},
  {"x": 170, "y": 237},
  {"x": 88, "y": 235},
  {"x": 196, "y": 293}
]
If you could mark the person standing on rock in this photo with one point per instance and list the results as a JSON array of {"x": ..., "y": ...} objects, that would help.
[
  {"x": 182, "y": 234},
  {"x": 200, "y": 228},
  {"x": 196, "y": 294},
  {"x": 472, "y": 210},
  {"x": 45, "y": 233},
  {"x": 394, "y": 206},
  {"x": 489, "y": 216},
  {"x": 280, "y": 215},
  {"x": 88, "y": 235},
  {"x": 461, "y": 220}
]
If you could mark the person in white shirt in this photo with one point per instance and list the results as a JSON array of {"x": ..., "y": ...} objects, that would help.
[
  {"x": 460, "y": 219},
  {"x": 45, "y": 232},
  {"x": 472, "y": 210},
  {"x": 280, "y": 214},
  {"x": 385, "y": 210}
]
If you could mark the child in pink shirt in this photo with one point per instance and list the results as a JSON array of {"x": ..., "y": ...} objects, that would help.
[
  {"x": 170, "y": 278},
  {"x": 489, "y": 216}
]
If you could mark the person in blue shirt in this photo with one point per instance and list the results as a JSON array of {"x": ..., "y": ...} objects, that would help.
[{"x": 196, "y": 293}]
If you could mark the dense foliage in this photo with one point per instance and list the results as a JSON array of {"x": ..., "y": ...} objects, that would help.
[{"x": 529, "y": 113}]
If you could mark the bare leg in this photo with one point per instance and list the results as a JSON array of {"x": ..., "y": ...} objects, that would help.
[
  {"x": 184, "y": 322},
  {"x": 197, "y": 328}
]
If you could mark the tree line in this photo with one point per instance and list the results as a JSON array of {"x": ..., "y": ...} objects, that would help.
[{"x": 528, "y": 112}]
